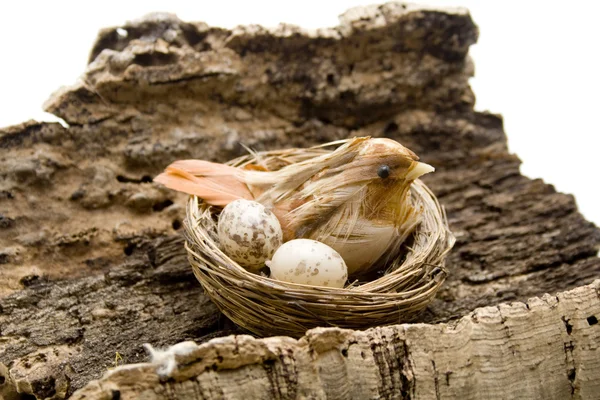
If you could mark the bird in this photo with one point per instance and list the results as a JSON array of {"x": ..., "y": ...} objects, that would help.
[{"x": 356, "y": 198}]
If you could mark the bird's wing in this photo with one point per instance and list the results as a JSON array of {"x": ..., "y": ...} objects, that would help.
[
  {"x": 324, "y": 210},
  {"x": 216, "y": 184},
  {"x": 285, "y": 183}
]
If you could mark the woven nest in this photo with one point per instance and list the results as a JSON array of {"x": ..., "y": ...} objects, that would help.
[{"x": 267, "y": 306}]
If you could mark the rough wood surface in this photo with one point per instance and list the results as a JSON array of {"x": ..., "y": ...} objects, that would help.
[
  {"x": 91, "y": 263},
  {"x": 547, "y": 348}
]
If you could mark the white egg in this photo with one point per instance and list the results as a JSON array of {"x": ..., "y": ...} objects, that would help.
[
  {"x": 249, "y": 233},
  {"x": 308, "y": 262}
]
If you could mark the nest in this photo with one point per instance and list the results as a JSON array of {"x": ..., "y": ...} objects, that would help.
[{"x": 266, "y": 306}]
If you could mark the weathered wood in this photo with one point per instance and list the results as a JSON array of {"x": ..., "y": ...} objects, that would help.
[
  {"x": 91, "y": 263},
  {"x": 547, "y": 348}
]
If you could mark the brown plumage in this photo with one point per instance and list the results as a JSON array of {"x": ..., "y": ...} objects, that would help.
[{"x": 355, "y": 199}]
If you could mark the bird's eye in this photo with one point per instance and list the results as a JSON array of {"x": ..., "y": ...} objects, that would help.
[{"x": 383, "y": 171}]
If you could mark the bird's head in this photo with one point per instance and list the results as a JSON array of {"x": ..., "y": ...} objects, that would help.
[
  {"x": 380, "y": 161},
  {"x": 387, "y": 160}
]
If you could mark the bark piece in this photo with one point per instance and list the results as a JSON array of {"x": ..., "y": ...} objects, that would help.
[
  {"x": 91, "y": 263},
  {"x": 546, "y": 348}
]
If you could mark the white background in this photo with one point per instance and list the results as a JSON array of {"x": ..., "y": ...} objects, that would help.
[{"x": 536, "y": 64}]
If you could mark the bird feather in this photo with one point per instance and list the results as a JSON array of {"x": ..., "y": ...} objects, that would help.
[{"x": 216, "y": 184}]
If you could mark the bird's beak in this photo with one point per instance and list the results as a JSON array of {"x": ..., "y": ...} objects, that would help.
[{"x": 418, "y": 169}]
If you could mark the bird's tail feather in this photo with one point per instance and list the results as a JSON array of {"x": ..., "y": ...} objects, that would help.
[{"x": 216, "y": 184}]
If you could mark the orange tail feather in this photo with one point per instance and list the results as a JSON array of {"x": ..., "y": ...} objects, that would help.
[{"x": 217, "y": 184}]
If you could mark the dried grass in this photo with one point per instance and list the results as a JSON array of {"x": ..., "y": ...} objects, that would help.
[{"x": 267, "y": 307}]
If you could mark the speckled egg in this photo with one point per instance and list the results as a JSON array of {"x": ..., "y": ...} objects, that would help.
[
  {"x": 249, "y": 233},
  {"x": 308, "y": 262}
]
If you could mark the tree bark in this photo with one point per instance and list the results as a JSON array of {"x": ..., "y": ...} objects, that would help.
[
  {"x": 92, "y": 265},
  {"x": 507, "y": 351}
]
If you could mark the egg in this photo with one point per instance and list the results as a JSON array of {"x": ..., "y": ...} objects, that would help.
[
  {"x": 308, "y": 262},
  {"x": 249, "y": 233}
]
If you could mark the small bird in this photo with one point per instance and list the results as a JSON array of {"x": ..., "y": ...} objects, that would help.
[{"x": 356, "y": 199}]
